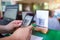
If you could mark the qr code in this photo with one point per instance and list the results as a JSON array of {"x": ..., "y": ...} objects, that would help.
[{"x": 40, "y": 22}]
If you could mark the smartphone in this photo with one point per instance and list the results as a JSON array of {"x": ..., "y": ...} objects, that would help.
[{"x": 27, "y": 19}]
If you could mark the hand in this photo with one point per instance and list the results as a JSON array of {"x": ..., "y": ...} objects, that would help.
[
  {"x": 13, "y": 24},
  {"x": 23, "y": 33}
]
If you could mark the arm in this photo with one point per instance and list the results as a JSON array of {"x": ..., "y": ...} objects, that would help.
[
  {"x": 20, "y": 34},
  {"x": 8, "y": 38},
  {"x": 3, "y": 28},
  {"x": 11, "y": 26}
]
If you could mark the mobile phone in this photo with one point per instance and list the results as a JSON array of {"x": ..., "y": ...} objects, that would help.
[{"x": 27, "y": 19}]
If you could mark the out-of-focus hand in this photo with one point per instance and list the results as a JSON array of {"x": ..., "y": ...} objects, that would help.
[
  {"x": 13, "y": 24},
  {"x": 23, "y": 33}
]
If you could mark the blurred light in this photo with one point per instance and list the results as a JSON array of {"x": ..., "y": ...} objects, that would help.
[
  {"x": 20, "y": 7},
  {"x": 45, "y": 3}
]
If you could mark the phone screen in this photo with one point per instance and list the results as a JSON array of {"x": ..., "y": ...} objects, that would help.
[{"x": 27, "y": 20}]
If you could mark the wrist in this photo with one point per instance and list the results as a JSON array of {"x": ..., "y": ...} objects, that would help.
[{"x": 6, "y": 28}]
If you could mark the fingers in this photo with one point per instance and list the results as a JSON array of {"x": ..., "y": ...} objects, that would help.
[
  {"x": 30, "y": 32},
  {"x": 30, "y": 27},
  {"x": 17, "y": 22}
]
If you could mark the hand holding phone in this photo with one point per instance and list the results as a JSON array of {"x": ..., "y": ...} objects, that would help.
[{"x": 27, "y": 20}]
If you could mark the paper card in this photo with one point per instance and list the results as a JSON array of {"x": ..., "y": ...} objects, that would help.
[{"x": 42, "y": 18}]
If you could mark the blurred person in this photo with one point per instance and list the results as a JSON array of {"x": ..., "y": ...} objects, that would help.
[{"x": 53, "y": 22}]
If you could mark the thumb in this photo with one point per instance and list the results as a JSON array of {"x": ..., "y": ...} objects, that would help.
[{"x": 30, "y": 27}]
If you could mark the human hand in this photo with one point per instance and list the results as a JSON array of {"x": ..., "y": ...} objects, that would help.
[
  {"x": 23, "y": 33},
  {"x": 13, "y": 24}
]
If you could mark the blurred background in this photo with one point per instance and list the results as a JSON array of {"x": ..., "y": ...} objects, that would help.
[{"x": 31, "y": 5}]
